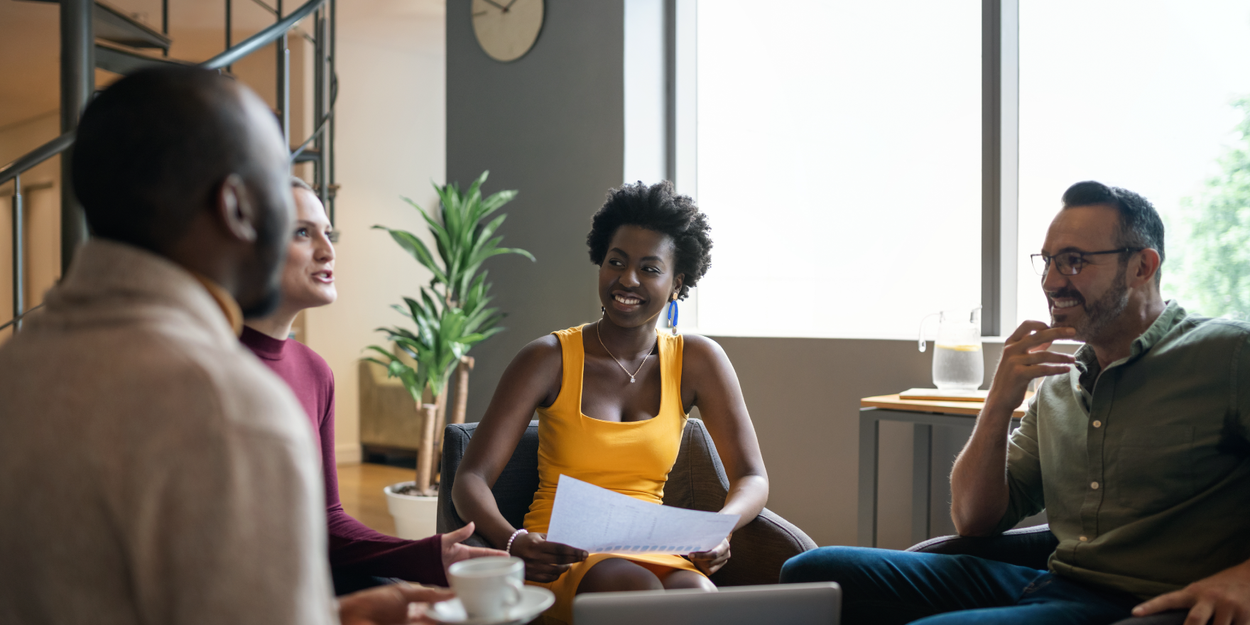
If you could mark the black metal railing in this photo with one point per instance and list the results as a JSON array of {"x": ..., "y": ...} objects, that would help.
[{"x": 322, "y": 138}]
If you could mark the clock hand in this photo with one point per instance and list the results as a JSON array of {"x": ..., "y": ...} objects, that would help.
[
  {"x": 505, "y": 9},
  {"x": 501, "y": 7}
]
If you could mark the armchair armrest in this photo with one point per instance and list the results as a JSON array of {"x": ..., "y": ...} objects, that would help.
[
  {"x": 1026, "y": 546},
  {"x": 513, "y": 491},
  {"x": 759, "y": 548}
]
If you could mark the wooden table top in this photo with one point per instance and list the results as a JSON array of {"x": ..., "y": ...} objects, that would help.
[{"x": 968, "y": 408}]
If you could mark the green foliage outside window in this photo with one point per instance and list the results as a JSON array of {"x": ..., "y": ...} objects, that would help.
[{"x": 1208, "y": 264}]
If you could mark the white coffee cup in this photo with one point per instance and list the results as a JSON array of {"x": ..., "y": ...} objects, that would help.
[{"x": 488, "y": 587}]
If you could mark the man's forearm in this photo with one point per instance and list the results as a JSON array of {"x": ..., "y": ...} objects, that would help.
[{"x": 979, "y": 492}]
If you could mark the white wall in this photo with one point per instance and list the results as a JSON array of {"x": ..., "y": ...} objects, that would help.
[{"x": 391, "y": 137}]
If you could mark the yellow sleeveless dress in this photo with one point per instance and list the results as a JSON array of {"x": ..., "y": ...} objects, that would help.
[{"x": 632, "y": 458}]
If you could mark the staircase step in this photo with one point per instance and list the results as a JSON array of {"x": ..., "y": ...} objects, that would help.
[
  {"x": 309, "y": 155},
  {"x": 112, "y": 24},
  {"x": 122, "y": 60}
]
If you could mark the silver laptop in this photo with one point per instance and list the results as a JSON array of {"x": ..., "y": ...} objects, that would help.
[{"x": 793, "y": 604}]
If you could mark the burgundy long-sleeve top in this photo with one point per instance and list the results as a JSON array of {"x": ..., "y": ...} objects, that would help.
[{"x": 353, "y": 546}]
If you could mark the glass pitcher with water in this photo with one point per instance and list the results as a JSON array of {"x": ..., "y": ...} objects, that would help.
[{"x": 958, "y": 362}]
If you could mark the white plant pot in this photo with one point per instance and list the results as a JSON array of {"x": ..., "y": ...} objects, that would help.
[{"x": 415, "y": 517}]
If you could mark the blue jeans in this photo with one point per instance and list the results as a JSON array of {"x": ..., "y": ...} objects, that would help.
[{"x": 884, "y": 586}]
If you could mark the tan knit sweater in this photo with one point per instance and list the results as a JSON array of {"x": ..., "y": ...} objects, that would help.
[{"x": 151, "y": 469}]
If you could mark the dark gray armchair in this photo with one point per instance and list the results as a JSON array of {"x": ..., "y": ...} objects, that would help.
[
  {"x": 1027, "y": 546},
  {"x": 697, "y": 482}
]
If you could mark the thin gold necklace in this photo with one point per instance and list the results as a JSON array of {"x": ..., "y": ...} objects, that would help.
[{"x": 618, "y": 362}]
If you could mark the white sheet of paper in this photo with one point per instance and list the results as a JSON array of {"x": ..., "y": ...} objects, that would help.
[{"x": 601, "y": 521}]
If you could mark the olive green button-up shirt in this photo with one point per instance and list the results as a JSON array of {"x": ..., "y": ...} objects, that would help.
[{"x": 1143, "y": 468}]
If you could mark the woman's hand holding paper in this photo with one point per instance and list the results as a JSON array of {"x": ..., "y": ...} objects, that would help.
[
  {"x": 709, "y": 562},
  {"x": 545, "y": 561}
]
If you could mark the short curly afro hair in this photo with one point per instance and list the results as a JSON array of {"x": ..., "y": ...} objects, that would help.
[{"x": 660, "y": 209}]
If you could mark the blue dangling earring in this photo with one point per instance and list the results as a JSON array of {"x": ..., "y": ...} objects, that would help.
[{"x": 672, "y": 315}]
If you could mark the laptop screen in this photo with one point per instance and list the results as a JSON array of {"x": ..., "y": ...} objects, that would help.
[{"x": 793, "y": 604}]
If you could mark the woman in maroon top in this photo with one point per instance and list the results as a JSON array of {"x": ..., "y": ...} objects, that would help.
[{"x": 359, "y": 556}]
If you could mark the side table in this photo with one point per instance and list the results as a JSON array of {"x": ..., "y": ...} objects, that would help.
[{"x": 924, "y": 414}]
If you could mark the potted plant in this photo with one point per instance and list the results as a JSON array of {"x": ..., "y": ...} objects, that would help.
[{"x": 449, "y": 317}]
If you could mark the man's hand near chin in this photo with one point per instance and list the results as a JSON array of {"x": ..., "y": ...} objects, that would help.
[
  {"x": 1222, "y": 599},
  {"x": 390, "y": 605}
]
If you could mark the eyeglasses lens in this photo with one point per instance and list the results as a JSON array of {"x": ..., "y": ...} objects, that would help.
[
  {"x": 1039, "y": 264},
  {"x": 1069, "y": 264},
  {"x": 1066, "y": 264}
]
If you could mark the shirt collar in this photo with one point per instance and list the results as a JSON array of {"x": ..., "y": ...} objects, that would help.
[
  {"x": 234, "y": 314},
  {"x": 1172, "y": 314},
  {"x": 261, "y": 344}
]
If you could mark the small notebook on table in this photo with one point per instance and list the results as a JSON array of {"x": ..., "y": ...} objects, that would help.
[{"x": 933, "y": 394}]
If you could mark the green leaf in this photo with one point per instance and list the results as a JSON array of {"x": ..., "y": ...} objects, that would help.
[
  {"x": 451, "y": 211},
  {"x": 519, "y": 251},
  {"x": 495, "y": 202},
  {"x": 473, "y": 296},
  {"x": 437, "y": 229},
  {"x": 474, "y": 197},
  {"x": 479, "y": 319},
  {"x": 485, "y": 233},
  {"x": 497, "y": 251},
  {"x": 385, "y": 353},
  {"x": 430, "y": 308},
  {"x": 417, "y": 249},
  {"x": 473, "y": 339}
]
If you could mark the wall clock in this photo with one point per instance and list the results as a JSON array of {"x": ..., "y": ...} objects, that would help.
[{"x": 507, "y": 29}]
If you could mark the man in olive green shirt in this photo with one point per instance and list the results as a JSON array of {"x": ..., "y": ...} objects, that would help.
[
  {"x": 1131, "y": 459},
  {"x": 1136, "y": 447}
]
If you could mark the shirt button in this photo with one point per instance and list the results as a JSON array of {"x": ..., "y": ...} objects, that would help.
[
  {"x": 1097, "y": 424},
  {"x": 1093, "y": 485},
  {"x": 1084, "y": 539}
]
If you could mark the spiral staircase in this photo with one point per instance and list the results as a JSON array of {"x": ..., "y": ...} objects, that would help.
[{"x": 96, "y": 34}]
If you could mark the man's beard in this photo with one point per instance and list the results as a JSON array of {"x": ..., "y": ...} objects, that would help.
[
  {"x": 270, "y": 256},
  {"x": 265, "y": 304},
  {"x": 1100, "y": 313}
]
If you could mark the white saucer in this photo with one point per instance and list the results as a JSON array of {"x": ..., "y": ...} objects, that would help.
[{"x": 533, "y": 601}]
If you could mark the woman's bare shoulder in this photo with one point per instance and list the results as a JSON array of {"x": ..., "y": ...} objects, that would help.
[
  {"x": 698, "y": 349},
  {"x": 539, "y": 362},
  {"x": 541, "y": 349},
  {"x": 532, "y": 378}
]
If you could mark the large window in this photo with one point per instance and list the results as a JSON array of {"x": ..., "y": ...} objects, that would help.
[
  {"x": 839, "y": 159},
  {"x": 839, "y": 153},
  {"x": 1142, "y": 94}
]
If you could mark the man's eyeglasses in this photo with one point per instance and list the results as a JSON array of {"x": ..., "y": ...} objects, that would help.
[{"x": 1071, "y": 263}]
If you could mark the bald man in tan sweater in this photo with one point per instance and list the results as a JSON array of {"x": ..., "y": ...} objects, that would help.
[{"x": 152, "y": 470}]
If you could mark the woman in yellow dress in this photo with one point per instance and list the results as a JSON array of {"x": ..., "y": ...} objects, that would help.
[{"x": 612, "y": 399}]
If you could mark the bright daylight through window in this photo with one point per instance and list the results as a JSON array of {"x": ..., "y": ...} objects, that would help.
[
  {"x": 1153, "y": 96},
  {"x": 839, "y": 160}
]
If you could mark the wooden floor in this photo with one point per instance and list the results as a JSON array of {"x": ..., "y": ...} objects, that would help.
[{"x": 360, "y": 490}]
